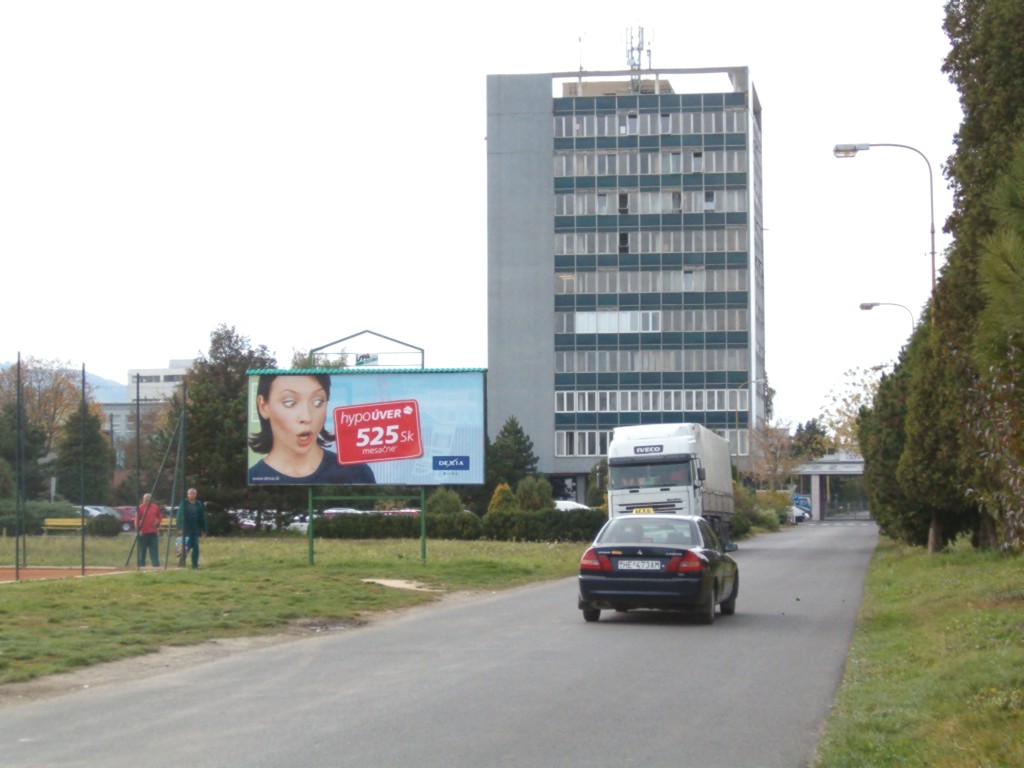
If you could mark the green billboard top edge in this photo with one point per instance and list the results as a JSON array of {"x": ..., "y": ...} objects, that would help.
[{"x": 347, "y": 371}]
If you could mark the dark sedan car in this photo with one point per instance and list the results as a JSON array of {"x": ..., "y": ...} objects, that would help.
[{"x": 661, "y": 562}]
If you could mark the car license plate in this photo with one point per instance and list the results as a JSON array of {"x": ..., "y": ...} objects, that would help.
[
  {"x": 639, "y": 565},
  {"x": 643, "y": 511}
]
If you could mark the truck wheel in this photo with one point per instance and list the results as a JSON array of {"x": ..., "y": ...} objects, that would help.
[
  {"x": 729, "y": 606},
  {"x": 707, "y": 614},
  {"x": 591, "y": 614}
]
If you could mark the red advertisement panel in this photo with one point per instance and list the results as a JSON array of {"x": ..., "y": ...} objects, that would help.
[{"x": 378, "y": 431}]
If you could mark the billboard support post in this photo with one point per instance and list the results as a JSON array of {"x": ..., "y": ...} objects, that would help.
[
  {"x": 423, "y": 524},
  {"x": 309, "y": 521}
]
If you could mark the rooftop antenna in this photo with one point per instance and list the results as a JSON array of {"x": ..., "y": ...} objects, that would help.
[{"x": 635, "y": 58}]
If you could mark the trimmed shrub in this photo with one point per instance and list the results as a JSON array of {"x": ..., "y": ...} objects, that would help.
[
  {"x": 371, "y": 526},
  {"x": 103, "y": 525},
  {"x": 462, "y": 525},
  {"x": 35, "y": 511}
]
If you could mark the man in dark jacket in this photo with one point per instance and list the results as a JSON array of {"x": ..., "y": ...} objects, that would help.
[{"x": 192, "y": 524}]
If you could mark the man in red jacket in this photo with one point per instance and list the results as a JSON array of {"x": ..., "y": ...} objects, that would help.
[{"x": 147, "y": 523}]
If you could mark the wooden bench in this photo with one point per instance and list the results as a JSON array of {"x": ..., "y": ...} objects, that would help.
[
  {"x": 51, "y": 524},
  {"x": 57, "y": 524}
]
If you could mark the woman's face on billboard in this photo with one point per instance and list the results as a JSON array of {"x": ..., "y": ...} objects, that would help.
[{"x": 297, "y": 410}]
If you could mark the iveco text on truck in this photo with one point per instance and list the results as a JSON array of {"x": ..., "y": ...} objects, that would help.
[{"x": 671, "y": 468}]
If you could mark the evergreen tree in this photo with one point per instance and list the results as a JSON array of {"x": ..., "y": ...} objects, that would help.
[
  {"x": 811, "y": 441},
  {"x": 511, "y": 457},
  {"x": 533, "y": 493},
  {"x": 882, "y": 437},
  {"x": 997, "y": 426},
  {"x": 215, "y": 455},
  {"x": 503, "y": 500},
  {"x": 84, "y": 459},
  {"x": 33, "y": 442},
  {"x": 939, "y": 469}
]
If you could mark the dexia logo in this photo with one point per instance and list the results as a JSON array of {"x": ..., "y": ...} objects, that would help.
[{"x": 459, "y": 463}]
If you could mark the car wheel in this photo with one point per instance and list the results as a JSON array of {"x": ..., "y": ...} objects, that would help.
[
  {"x": 729, "y": 606},
  {"x": 126, "y": 527},
  {"x": 591, "y": 614},
  {"x": 707, "y": 614}
]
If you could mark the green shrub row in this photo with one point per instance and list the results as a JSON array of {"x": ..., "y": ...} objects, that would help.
[{"x": 498, "y": 525}]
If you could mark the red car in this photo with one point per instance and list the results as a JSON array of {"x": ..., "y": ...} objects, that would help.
[{"x": 127, "y": 518}]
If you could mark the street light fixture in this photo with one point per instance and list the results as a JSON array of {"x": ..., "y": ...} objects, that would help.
[
  {"x": 873, "y": 304},
  {"x": 851, "y": 150}
]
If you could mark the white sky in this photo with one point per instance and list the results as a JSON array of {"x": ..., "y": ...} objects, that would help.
[{"x": 307, "y": 170}]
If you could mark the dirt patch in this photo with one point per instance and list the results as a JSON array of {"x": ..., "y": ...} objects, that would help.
[
  {"x": 35, "y": 572},
  {"x": 401, "y": 584}
]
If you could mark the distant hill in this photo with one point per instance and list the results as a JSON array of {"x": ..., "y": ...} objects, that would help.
[
  {"x": 103, "y": 390},
  {"x": 107, "y": 391}
]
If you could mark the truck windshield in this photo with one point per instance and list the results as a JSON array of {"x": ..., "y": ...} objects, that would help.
[{"x": 660, "y": 475}]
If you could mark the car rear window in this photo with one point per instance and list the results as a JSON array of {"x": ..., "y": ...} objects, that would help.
[{"x": 632, "y": 530}]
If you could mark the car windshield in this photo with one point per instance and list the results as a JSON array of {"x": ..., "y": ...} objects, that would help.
[
  {"x": 639, "y": 530},
  {"x": 659, "y": 475}
]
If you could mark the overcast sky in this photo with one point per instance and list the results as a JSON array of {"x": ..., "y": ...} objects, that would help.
[{"x": 303, "y": 171}]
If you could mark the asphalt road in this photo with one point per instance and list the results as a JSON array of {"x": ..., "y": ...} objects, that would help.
[{"x": 508, "y": 679}]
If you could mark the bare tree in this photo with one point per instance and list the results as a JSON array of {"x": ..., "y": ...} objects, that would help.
[
  {"x": 51, "y": 393},
  {"x": 843, "y": 409},
  {"x": 772, "y": 456}
]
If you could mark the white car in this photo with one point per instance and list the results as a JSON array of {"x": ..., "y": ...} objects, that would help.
[
  {"x": 343, "y": 511},
  {"x": 799, "y": 515},
  {"x": 563, "y": 505}
]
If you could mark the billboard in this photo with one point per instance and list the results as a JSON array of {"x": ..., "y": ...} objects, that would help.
[{"x": 332, "y": 427}]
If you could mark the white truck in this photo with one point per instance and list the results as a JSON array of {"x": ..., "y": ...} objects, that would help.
[{"x": 684, "y": 469}]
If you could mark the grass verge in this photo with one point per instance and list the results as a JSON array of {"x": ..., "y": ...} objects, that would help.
[
  {"x": 935, "y": 675},
  {"x": 245, "y": 586}
]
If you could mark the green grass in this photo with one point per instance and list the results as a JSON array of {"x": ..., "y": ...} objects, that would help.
[
  {"x": 935, "y": 676},
  {"x": 245, "y": 586}
]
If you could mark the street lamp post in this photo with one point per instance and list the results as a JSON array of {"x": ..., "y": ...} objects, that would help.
[
  {"x": 873, "y": 304},
  {"x": 851, "y": 150}
]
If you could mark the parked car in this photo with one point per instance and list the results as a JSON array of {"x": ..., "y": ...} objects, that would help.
[
  {"x": 95, "y": 510},
  {"x": 299, "y": 523},
  {"x": 563, "y": 505},
  {"x": 343, "y": 511},
  {"x": 659, "y": 562},
  {"x": 127, "y": 515},
  {"x": 799, "y": 514}
]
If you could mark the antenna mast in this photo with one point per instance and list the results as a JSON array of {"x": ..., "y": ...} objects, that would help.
[{"x": 635, "y": 58}]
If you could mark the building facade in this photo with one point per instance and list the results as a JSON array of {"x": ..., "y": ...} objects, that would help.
[
  {"x": 625, "y": 257},
  {"x": 157, "y": 383}
]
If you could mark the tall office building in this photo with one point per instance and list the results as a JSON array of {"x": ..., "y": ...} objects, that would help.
[{"x": 625, "y": 259}]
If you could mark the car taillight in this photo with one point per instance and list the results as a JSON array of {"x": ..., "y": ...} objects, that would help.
[
  {"x": 592, "y": 560},
  {"x": 687, "y": 563}
]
